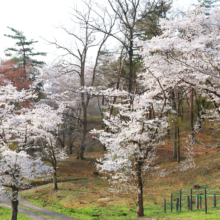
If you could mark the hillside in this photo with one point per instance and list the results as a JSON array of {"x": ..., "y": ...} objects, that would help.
[{"x": 84, "y": 195}]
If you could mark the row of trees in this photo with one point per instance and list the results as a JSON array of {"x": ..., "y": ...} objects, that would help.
[{"x": 29, "y": 128}]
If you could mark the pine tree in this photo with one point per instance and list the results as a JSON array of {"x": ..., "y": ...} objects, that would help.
[
  {"x": 23, "y": 53},
  {"x": 149, "y": 27}
]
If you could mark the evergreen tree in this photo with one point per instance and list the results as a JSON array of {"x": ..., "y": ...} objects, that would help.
[
  {"x": 23, "y": 53},
  {"x": 148, "y": 27}
]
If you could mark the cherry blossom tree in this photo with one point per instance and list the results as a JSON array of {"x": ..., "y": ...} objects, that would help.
[
  {"x": 61, "y": 92},
  {"x": 189, "y": 47},
  {"x": 36, "y": 131},
  {"x": 33, "y": 129},
  {"x": 188, "y": 53},
  {"x": 46, "y": 121},
  {"x": 15, "y": 170},
  {"x": 132, "y": 138}
]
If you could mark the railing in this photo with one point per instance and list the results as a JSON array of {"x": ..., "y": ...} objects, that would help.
[{"x": 185, "y": 199}]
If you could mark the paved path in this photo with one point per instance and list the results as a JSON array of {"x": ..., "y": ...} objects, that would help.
[{"x": 35, "y": 212}]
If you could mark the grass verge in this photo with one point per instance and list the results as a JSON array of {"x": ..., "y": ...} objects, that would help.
[{"x": 5, "y": 214}]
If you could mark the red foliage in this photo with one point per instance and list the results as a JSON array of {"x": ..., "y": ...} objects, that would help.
[{"x": 10, "y": 72}]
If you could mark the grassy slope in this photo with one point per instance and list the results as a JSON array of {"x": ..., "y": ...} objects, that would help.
[{"x": 84, "y": 195}]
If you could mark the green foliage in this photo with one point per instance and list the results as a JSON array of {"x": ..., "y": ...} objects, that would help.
[
  {"x": 23, "y": 53},
  {"x": 40, "y": 95},
  {"x": 149, "y": 26},
  {"x": 201, "y": 103}
]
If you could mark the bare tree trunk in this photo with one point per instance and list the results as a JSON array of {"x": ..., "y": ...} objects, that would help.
[
  {"x": 14, "y": 204},
  {"x": 149, "y": 114},
  {"x": 140, "y": 201},
  {"x": 84, "y": 130},
  {"x": 178, "y": 127},
  {"x": 175, "y": 127},
  {"x": 168, "y": 128},
  {"x": 182, "y": 112},
  {"x": 130, "y": 53},
  {"x": 61, "y": 142},
  {"x": 70, "y": 145},
  {"x": 55, "y": 187},
  {"x": 191, "y": 113},
  {"x": 174, "y": 141},
  {"x": 14, "y": 210},
  {"x": 178, "y": 144},
  {"x": 63, "y": 145}
]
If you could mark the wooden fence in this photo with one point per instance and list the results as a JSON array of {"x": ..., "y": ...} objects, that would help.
[{"x": 192, "y": 199}]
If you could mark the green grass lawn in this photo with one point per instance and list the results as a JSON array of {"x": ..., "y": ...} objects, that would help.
[
  {"x": 5, "y": 214},
  {"x": 111, "y": 213},
  {"x": 213, "y": 213}
]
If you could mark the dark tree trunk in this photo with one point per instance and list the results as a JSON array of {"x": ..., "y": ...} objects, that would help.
[
  {"x": 104, "y": 148},
  {"x": 85, "y": 102},
  {"x": 140, "y": 201},
  {"x": 168, "y": 128},
  {"x": 70, "y": 148},
  {"x": 175, "y": 127},
  {"x": 103, "y": 100},
  {"x": 70, "y": 144},
  {"x": 182, "y": 112},
  {"x": 55, "y": 187},
  {"x": 168, "y": 133},
  {"x": 14, "y": 203},
  {"x": 83, "y": 140},
  {"x": 178, "y": 127},
  {"x": 178, "y": 144},
  {"x": 191, "y": 114},
  {"x": 150, "y": 114},
  {"x": 14, "y": 210},
  {"x": 61, "y": 142},
  {"x": 130, "y": 54},
  {"x": 174, "y": 141}
]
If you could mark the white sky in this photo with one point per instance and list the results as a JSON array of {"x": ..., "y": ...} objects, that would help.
[
  {"x": 40, "y": 19},
  {"x": 36, "y": 19}
]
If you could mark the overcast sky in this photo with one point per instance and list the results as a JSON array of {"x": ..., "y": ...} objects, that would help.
[{"x": 40, "y": 19}]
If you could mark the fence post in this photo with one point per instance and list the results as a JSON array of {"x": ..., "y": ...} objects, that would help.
[
  {"x": 188, "y": 203},
  {"x": 205, "y": 202},
  {"x": 177, "y": 204},
  {"x": 197, "y": 202},
  {"x": 165, "y": 206},
  {"x": 191, "y": 208},
  {"x": 180, "y": 199},
  {"x": 214, "y": 200},
  {"x": 171, "y": 202},
  {"x": 200, "y": 201}
]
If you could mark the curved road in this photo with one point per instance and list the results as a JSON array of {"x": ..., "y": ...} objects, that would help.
[{"x": 35, "y": 212}]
